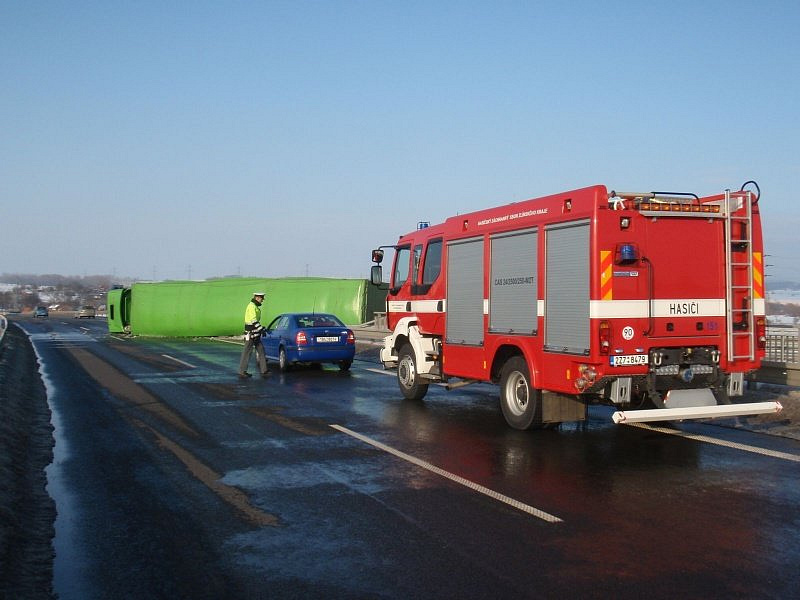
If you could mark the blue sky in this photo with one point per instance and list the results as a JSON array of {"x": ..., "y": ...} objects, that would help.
[{"x": 283, "y": 138}]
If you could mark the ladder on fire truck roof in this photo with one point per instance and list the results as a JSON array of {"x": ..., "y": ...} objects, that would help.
[{"x": 738, "y": 259}]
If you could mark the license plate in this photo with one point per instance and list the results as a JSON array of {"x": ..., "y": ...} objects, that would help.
[
  {"x": 626, "y": 360},
  {"x": 327, "y": 339}
]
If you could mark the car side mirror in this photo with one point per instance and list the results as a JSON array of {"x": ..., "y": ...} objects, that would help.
[{"x": 376, "y": 275}]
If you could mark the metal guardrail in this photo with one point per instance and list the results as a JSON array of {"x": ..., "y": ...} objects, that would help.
[
  {"x": 3, "y": 327},
  {"x": 782, "y": 345},
  {"x": 782, "y": 362}
]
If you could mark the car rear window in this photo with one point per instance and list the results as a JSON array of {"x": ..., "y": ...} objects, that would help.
[{"x": 318, "y": 321}]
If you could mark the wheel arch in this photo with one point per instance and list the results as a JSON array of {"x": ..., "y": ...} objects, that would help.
[
  {"x": 506, "y": 351},
  {"x": 402, "y": 332}
]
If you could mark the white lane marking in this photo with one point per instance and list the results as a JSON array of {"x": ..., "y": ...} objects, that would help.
[
  {"x": 711, "y": 440},
  {"x": 237, "y": 341},
  {"x": 380, "y": 371},
  {"x": 178, "y": 360},
  {"x": 540, "y": 514}
]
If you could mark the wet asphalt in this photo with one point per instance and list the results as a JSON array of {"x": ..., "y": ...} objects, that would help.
[{"x": 173, "y": 478}]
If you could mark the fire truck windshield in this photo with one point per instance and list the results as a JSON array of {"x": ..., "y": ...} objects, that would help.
[{"x": 401, "y": 267}]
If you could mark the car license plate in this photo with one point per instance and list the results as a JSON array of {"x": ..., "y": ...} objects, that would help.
[
  {"x": 626, "y": 360},
  {"x": 327, "y": 339}
]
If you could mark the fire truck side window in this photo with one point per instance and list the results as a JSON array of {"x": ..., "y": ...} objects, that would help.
[
  {"x": 400, "y": 274},
  {"x": 430, "y": 269},
  {"x": 433, "y": 262},
  {"x": 417, "y": 257}
]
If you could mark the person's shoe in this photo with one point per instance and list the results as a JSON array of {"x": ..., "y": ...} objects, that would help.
[
  {"x": 244, "y": 375},
  {"x": 265, "y": 374}
]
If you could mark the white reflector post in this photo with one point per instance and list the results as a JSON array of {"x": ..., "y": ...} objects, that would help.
[{"x": 695, "y": 412}]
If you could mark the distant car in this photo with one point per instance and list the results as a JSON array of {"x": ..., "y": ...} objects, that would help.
[
  {"x": 86, "y": 312},
  {"x": 41, "y": 311},
  {"x": 293, "y": 338}
]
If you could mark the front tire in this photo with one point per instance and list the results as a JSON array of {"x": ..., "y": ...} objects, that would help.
[
  {"x": 407, "y": 375},
  {"x": 518, "y": 400}
]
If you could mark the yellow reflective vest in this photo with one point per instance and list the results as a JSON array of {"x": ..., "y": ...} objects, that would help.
[{"x": 252, "y": 314}]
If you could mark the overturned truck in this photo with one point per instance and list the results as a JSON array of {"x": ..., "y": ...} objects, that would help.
[{"x": 216, "y": 307}]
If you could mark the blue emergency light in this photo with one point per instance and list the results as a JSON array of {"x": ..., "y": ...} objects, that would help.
[
  {"x": 423, "y": 225},
  {"x": 626, "y": 254}
]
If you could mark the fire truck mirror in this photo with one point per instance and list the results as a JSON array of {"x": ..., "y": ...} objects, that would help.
[
  {"x": 376, "y": 275},
  {"x": 377, "y": 256}
]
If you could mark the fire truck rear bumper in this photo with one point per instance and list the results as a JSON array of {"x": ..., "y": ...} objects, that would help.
[{"x": 695, "y": 412}]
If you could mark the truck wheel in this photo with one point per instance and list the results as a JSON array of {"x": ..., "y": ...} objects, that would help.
[
  {"x": 518, "y": 400},
  {"x": 407, "y": 376}
]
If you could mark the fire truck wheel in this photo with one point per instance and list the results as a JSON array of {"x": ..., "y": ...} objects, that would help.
[
  {"x": 518, "y": 400},
  {"x": 407, "y": 376}
]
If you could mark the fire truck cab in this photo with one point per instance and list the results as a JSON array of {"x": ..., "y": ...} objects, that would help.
[{"x": 652, "y": 303}]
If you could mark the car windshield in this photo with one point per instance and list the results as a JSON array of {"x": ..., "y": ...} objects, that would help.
[{"x": 318, "y": 321}]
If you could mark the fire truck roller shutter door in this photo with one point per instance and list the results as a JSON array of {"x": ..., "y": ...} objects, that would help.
[
  {"x": 567, "y": 284},
  {"x": 465, "y": 292},
  {"x": 512, "y": 285}
]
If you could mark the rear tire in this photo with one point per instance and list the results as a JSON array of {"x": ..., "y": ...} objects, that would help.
[
  {"x": 407, "y": 375},
  {"x": 283, "y": 360},
  {"x": 518, "y": 400},
  {"x": 344, "y": 365}
]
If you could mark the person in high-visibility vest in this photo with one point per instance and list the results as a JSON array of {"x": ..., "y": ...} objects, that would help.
[{"x": 252, "y": 337}]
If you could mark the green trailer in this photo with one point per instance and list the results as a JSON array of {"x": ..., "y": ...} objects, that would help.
[{"x": 216, "y": 307}]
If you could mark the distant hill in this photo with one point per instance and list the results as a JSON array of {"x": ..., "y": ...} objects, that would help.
[{"x": 782, "y": 285}]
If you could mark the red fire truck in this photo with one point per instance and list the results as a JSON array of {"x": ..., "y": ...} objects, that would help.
[{"x": 652, "y": 303}]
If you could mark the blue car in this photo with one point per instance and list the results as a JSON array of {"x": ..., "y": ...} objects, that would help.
[{"x": 293, "y": 338}]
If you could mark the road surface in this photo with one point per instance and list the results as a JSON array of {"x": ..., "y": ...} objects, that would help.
[{"x": 173, "y": 478}]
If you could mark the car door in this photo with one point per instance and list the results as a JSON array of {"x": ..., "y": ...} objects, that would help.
[{"x": 272, "y": 336}]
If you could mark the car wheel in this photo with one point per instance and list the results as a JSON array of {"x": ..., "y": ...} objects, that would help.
[
  {"x": 407, "y": 376},
  {"x": 518, "y": 400},
  {"x": 283, "y": 360},
  {"x": 344, "y": 365}
]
